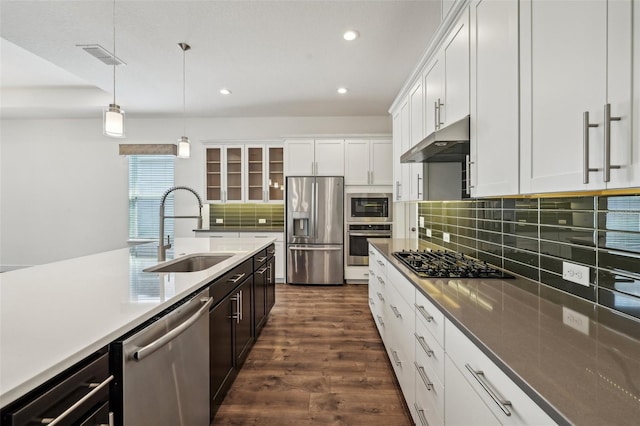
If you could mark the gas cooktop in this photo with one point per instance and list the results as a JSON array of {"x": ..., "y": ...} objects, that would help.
[{"x": 447, "y": 264}]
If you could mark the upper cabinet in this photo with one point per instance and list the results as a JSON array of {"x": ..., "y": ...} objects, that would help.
[
  {"x": 576, "y": 108},
  {"x": 494, "y": 98},
  {"x": 244, "y": 173},
  {"x": 455, "y": 55},
  {"x": 308, "y": 157},
  {"x": 367, "y": 162}
]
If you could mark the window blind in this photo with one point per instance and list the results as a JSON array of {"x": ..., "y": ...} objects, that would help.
[{"x": 149, "y": 177}]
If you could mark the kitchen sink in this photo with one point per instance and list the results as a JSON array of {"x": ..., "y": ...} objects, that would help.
[{"x": 190, "y": 263}]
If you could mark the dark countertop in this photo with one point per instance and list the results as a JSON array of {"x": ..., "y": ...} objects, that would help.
[
  {"x": 587, "y": 379},
  {"x": 243, "y": 229}
]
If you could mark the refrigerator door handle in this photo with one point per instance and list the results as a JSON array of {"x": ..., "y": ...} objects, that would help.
[
  {"x": 315, "y": 248},
  {"x": 315, "y": 210}
]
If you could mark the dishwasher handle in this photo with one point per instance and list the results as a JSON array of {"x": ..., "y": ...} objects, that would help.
[{"x": 147, "y": 350}]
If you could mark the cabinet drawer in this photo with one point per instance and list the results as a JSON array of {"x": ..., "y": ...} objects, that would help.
[
  {"x": 430, "y": 316},
  {"x": 378, "y": 260},
  {"x": 404, "y": 287},
  {"x": 401, "y": 319},
  {"x": 260, "y": 259},
  {"x": 428, "y": 351},
  {"x": 491, "y": 384},
  {"x": 224, "y": 285},
  {"x": 429, "y": 403}
]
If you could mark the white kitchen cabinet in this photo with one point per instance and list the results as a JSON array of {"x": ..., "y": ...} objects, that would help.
[
  {"x": 494, "y": 98},
  {"x": 433, "y": 79},
  {"x": 225, "y": 180},
  {"x": 416, "y": 134},
  {"x": 264, "y": 173},
  {"x": 309, "y": 157},
  {"x": 401, "y": 143},
  {"x": 368, "y": 162},
  {"x": 446, "y": 7},
  {"x": 455, "y": 54},
  {"x": 576, "y": 58},
  {"x": 508, "y": 404}
]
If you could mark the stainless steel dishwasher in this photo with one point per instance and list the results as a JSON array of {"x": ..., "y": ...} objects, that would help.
[{"x": 162, "y": 370}]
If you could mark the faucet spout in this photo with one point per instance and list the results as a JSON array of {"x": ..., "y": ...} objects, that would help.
[{"x": 162, "y": 248}]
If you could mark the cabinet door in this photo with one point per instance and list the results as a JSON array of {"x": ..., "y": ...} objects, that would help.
[
  {"x": 397, "y": 152},
  {"x": 234, "y": 175},
  {"x": 260, "y": 297},
  {"x": 405, "y": 182},
  {"x": 214, "y": 174},
  {"x": 256, "y": 173},
  {"x": 416, "y": 112},
  {"x": 329, "y": 155},
  {"x": 456, "y": 72},
  {"x": 299, "y": 157},
  {"x": 271, "y": 281},
  {"x": 381, "y": 164},
  {"x": 494, "y": 98},
  {"x": 563, "y": 74},
  {"x": 244, "y": 322},
  {"x": 275, "y": 174},
  {"x": 220, "y": 350},
  {"x": 357, "y": 169},
  {"x": 433, "y": 96}
]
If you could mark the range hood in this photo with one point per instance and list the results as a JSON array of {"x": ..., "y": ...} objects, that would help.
[{"x": 447, "y": 145}]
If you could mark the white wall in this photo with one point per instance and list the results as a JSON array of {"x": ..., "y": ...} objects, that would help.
[{"x": 64, "y": 186}]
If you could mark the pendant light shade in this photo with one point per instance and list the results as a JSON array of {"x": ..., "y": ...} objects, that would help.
[
  {"x": 184, "y": 146},
  {"x": 113, "y": 116}
]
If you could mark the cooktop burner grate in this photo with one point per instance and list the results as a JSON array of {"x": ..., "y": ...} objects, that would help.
[{"x": 447, "y": 264}]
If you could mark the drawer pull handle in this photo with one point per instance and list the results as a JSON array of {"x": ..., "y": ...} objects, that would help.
[
  {"x": 271, "y": 251},
  {"x": 261, "y": 259},
  {"x": 371, "y": 301},
  {"x": 424, "y": 313},
  {"x": 370, "y": 252},
  {"x": 261, "y": 270},
  {"x": 420, "y": 411},
  {"x": 380, "y": 297},
  {"x": 396, "y": 312},
  {"x": 237, "y": 278},
  {"x": 423, "y": 376},
  {"x": 380, "y": 280},
  {"x": 96, "y": 387},
  {"x": 479, "y": 376},
  {"x": 424, "y": 345},
  {"x": 380, "y": 321},
  {"x": 371, "y": 273},
  {"x": 394, "y": 354},
  {"x": 380, "y": 262}
]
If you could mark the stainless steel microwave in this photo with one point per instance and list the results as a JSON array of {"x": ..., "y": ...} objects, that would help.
[{"x": 369, "y": 207}]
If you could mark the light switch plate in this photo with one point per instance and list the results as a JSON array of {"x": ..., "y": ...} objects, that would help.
[
  {"x": 446, "y": 237},
  {"x": 219, "y": 220},
  {"x": 575, "y": 273},
  {"x": 429, "y": 232},
  {"x": 261, "y": 221},
  {"x": 421, "y": 221},
  {"x": 575, "y": 320}
]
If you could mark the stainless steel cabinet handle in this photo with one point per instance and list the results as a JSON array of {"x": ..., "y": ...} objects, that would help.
[
  {"x": 424, "y": 313},
  {"x": 380, "y": 262},
  {"x": 261, "y": 270},
  {"x": 419, "y": 193},
  {"x": 439, "y": 106},
  {"x": 271, "y": 251},
  {"x": 478, "y": 375},
  {"x": 269, "y": 274},
  {"x": 421, "y": 416},
  {"x": 95, "y": 388},
  {"x": 435, "y": 114},
  {"x": 371, "y": 273},
  {"x": 394, "y": 354},
  {"x": 423, "y": 376},
  {"x": 314, "y": 248},
  {"x": 397, "y": 190},
  {"x": 235, "y": 315},
  {"x": 147, "y": 350},
  {"x": 237, "y": 278},
  {"x": 585, "y": 147},
  {"x": 240, "y": 306},
  {"x": 263, "y": 258},
  {"x": 607, "y": 142},
  {"x": 380, "y": 297},
  {"x": 468, "y": 185},
  {"x": 424, "y": 345},
  {"x": 396, "y": 312},
  {"x": 371, "y": 301},
  {"x": 371, "y": 253},
  {"x": 380, "y": 321},
  {"x": 380, "y": 280}
]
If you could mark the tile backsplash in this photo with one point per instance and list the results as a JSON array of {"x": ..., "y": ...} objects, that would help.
[
  {"x": 534, "y": 236},
  {"x": 238, "y": 216}
]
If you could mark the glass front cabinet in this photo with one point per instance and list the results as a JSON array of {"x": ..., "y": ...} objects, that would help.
[{"x": 245, "y": 173}]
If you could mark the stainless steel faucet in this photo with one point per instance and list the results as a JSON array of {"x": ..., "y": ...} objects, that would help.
[{"x": 162, "y": 248}]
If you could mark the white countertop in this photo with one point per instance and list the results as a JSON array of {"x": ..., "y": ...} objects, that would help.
[{"x": 54, "y": 315}]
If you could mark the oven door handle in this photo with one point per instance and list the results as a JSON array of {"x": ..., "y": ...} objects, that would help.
[{"x": 369, "y": 234}]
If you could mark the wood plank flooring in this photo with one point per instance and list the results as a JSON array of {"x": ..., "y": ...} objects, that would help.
[{"x": 318, "y": 361}]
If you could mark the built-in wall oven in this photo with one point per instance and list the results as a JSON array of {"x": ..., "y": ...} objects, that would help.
[
  {"x": 369, "y": 207},
  {"x": 357, "y": 246}
]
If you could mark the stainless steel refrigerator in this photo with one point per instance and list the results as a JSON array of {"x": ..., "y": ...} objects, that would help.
[{"x": 315, "y": 230}]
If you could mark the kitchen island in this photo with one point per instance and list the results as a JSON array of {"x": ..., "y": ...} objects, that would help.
[
  {"x": 571, "y": 361},
  {"x": 53, "y": 316}
]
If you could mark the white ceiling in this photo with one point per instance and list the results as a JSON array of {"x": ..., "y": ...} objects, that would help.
[{"x": 279, "y": 58}]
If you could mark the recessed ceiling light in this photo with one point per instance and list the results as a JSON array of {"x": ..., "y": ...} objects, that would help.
[
  {"x": 342, "y": 90},
  {"x": 225, "y": 91},
  {"x": 350, "y": 35}
]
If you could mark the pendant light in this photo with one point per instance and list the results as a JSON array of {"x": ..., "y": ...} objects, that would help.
[
  {"x": 184, "y": 147},
  {"x": 113, "y": 116}
]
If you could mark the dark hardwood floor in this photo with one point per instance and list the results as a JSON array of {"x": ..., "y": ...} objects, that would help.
[{"x": 318, "y": 361}]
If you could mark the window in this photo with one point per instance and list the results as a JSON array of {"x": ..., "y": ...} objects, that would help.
[{"x": 149, "y": 177}]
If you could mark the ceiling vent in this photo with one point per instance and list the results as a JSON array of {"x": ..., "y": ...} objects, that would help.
[{"x": 101, "y": 53}]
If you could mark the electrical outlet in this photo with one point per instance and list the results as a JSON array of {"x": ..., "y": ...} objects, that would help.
[
  {"x": 219, "y": 220},
  {"x": 262, "y": 221},
  {"x": 446, "y": 237},
  {"x": 575, "y": 320},
  {"x": 421, "y": 221},
  {"x": 575, "y": 273},
  {"x": 429, "y": 232}
]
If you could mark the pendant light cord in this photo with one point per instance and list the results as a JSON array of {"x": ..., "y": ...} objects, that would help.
[
  {"x": 184, "y": 96},
  {"x": 114, "y": 52}
]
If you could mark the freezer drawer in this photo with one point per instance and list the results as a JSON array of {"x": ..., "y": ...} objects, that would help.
[{"x": 317, "y": 264}]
